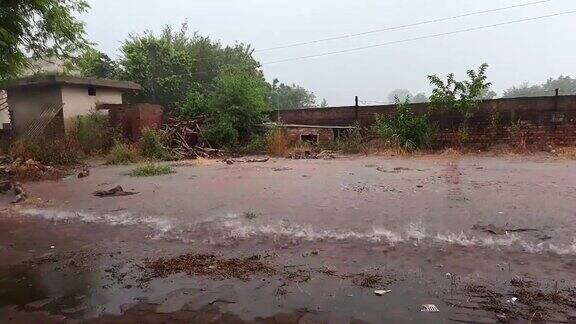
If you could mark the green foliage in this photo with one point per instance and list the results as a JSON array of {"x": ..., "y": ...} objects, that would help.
[
  {"x": 152, "y": 170},
  {"x": 282, "y": 96},
  {"x": 92, "y": 132},
  {"x": 419, "y": 98},
  {"x": 172, "y": 66},
  {"x": 565, "y": 84},
  {"x": 122, "y": 153},
  {"x": 151, "y": 146},
  {"x": 41, "y": 28},
  {"x": 353, "y": 143},
  {"x": 256, "y": 145},
  {"x": 459, "y": 96},
  {"x": 93, "y": 63},
  {"x": 406, "y": 129}
]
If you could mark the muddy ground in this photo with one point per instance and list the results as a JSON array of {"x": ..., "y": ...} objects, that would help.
[{"x": 297, "y": 241}]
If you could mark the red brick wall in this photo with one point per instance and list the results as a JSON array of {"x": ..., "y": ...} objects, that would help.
[
  {"x": 537, "y": 121},
  {"x": 325, "y": 135},
  {"x": 132, "y": 119}
]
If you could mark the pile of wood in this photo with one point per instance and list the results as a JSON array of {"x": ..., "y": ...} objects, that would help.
[{"x": 185, "y": 140}]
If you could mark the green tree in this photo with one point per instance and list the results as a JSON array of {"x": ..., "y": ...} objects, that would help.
[
  {"x": 459, "y": 96},
  {"x": 236, "y": 107},
  {"x": 565, "y": 85},
  {"x": 420, "y": 98},
  {"x": 399, "y": 94},
  {"x": 282, "y": 96},
  {"x": 38, "y": 28},
  {"x": 173, "y": 67},
  {"x": 324, "y": 103},
  {"x": 404, "y": 128},
  {"x": 93, "y": 63}
]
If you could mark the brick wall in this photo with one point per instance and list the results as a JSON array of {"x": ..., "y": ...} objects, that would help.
[
  {"x": 537, "y": 121},
  {"x": 132, "y": 119}
]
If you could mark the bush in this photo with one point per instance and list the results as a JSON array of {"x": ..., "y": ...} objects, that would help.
[
  {"x": 151, "y": 145},
  {"x": 92, "y": 132},
  {"x": 151, "y": 170},
  {"x": 221, "y": 133},
  {"x": 53, "y": 152},
  {"x": 122, "y": 153},
  {"x": 256, "y": 145},
  {"x": 277, "y": 142},
  {"x": 352, "y": 143},
  {"x": 404, "y": 129}
]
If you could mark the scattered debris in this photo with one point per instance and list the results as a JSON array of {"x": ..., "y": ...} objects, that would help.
[
  {"x": 282, "y": 169},
  {"x": 254, "y": 160},
  {"x": 493, "y": 229},
  {"x": 29, "y": 170},
  {"x": 512, "y": 300},
  {"x": 116, "y": 191},
  {"x": 381, "y": 292},
  {"x": 185, "y": 140},
  {"x": 210, "y": 265},
  {"x": 19, "y": 193},
  {"x": 367, "y": 280},
  {"x": 250, "y": 215},
  {"x": 430, "y": 308},
  {"x": 311, "y": 155},
  {"x": 83, "y": 173}
]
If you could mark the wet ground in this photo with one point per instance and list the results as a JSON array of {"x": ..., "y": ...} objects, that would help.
[{"x": 285, "y": 241}]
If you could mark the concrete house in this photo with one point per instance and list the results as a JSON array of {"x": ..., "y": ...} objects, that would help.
[{"x": 40, "y": 105}]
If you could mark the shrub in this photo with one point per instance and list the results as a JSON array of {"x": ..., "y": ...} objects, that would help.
[
  {"x": 53, "y": 152},
  {"x": 352, "y": 143},
  {"x": 92, "y": 132},
  {"x": 256, "y": 145},
  {"x": 405, "y": 129},
  {"x": 221, "y": 133},
  {"x": 122, "y": 153},
  {"x": 151, "y": 170},
  {"x": 151, "y": 145},
  {"x": 277, "y": 143}
]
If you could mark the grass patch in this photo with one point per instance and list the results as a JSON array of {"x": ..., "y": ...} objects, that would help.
[
  {"x": 122, "y": 153},
  {"x": 250, "y": 215},
  {"x": 152, "y": 170},
  {"x": 152, "y": 146},
  {"x": 277, "y": 142}
]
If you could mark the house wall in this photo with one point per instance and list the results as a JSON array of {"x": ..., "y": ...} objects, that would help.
[
  {"x": 4, "y": 114},
  {"x": 26, "y": 104},
  {"x": 536, "y": 122},
  {"x": 77, "y": 102}
]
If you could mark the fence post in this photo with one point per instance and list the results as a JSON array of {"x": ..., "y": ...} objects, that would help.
[{"x": 356, "y": 108}]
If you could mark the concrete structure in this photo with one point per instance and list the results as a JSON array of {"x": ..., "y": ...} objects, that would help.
[
  {"x": 532, "y": 121},
  {"x": 314, "y": 134},
  {"x": 46, "y": 102}
]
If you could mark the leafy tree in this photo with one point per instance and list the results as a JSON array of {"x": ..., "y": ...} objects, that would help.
[
  {"x": 399, "y": 94},
  {"x": 38, "y": 28},
  {"x": 420, "y": 98},
  {"x": 460, "y": 96},
  {"x": 174, "y": 67},
  {"x": 93, "y": 63},
  {"x": 282, "y": 96},
  {"x": 324, "y": 103},
  {"x": 565, "y": 84},
  {"x": 236, "y": 107}
]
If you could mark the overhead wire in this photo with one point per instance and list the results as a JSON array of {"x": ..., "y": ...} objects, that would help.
[
  {"x": 354, "y": 49},
  {"x": 420, "y": 23}
]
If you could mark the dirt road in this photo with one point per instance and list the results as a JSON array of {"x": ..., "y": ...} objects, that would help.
[{"x": 483, "y": 239}]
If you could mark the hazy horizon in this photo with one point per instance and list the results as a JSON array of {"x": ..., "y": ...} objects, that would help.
[{"x": 530, "y": 51}]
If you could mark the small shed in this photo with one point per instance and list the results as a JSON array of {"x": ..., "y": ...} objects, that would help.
[{"x": 40, "y": 105}]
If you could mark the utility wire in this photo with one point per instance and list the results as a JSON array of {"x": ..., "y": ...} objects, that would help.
[
  {"x": 425, "y": 22},
  {"x": 419, "y": 38}
]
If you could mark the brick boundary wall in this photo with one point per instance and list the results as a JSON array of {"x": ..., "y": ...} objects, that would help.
[{"x": 537, "y": 122}]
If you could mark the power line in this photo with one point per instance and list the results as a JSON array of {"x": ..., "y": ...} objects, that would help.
[
  {"x": 426, "y": 22},
  {"x": 419, "y": 38}
]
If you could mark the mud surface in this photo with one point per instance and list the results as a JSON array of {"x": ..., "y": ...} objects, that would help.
[{"x": 483, "y": 239}]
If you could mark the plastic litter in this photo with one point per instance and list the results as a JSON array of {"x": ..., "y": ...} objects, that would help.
[
  {"x": 512, "y": 300},
  {"x": 429, "y": 308},
  {"x": 382, "y": 292}
]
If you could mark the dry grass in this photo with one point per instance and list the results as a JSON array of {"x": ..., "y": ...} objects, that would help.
[
  {"x": 277, "y": 142},
  {"x": 122, "y": 153},
  {"x": 200, "y": 161},
  {"x": 565, "y": 152}
]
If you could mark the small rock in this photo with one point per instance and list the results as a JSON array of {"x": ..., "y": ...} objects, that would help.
[{"x": 381, "y": 292}]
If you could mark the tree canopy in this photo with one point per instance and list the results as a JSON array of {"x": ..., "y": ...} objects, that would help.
[
  {"x": 282, "y": 96},
  {"x": 38, "y": 29},
  {"x": 565, "y": 84}
]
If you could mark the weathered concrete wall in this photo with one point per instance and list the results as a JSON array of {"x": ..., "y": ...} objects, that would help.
[
  {"x": 27, "y": 104},
  {"x": 77, "y": 102},
  {"x": 537, "y": 121},
  {"x": 4, "y": 114},
  {"x": 132, "y": 119},
  {"x": 325, "y": 135}
]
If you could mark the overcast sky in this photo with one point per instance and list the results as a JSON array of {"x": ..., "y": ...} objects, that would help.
[{"x": 530, "y": 51}]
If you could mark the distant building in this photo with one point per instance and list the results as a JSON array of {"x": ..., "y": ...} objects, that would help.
[{"x": 40, "y": 105}]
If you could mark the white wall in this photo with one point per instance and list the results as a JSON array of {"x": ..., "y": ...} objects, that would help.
[
  {"x": 27, "y": 104},
  {"x": 77, "y": 102},
  {"x": 4, "y": 115}
]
